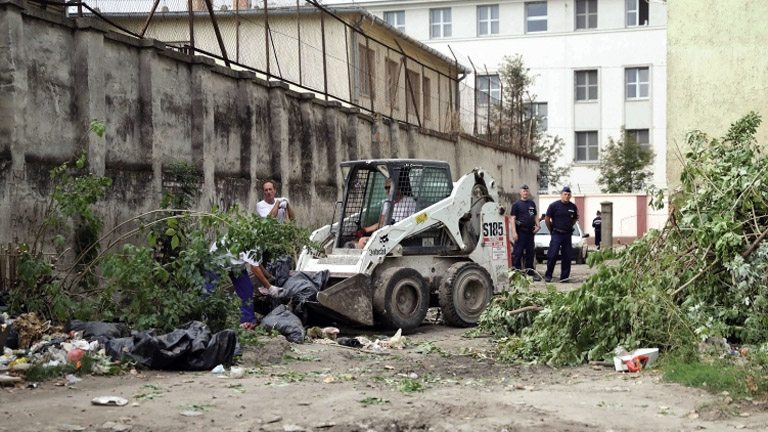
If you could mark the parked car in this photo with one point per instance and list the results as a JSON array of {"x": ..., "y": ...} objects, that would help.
[{"x": 578, "y": 243}]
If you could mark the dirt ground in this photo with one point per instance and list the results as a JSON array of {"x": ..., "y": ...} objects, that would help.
[{"x": 324, "y": 387}]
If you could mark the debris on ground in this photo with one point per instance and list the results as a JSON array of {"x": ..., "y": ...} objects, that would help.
[{"x": 109, "y": 401}]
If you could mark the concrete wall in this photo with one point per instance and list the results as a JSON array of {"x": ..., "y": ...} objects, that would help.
[
  {"x": 162, "y": 107},
  {"x": 717, "y": 70}
]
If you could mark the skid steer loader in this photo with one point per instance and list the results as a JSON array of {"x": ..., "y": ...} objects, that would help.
[{"x": 447, "y": 247}]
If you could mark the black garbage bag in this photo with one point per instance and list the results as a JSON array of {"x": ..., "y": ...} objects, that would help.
[
  {"x": 280, "y": 269},
  {"x": 303, "y": 287},
  {"x": 286, "y": 323},
  {"x": 95, "y": 329},
  {"x": 188, "y": 347}
]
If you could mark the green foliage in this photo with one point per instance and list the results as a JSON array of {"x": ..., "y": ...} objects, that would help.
[
  {"x": 519, "y": 128},
  {"x": 625, "y": 165},
  {"x": 549, "y": 149},
  {"x": 703, "y": 275},
  {"x": 740, "y": 376},
  {"x": 408, "y": 385}
]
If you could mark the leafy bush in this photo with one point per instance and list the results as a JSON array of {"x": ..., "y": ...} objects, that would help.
[{"x": 703, "y": 274}]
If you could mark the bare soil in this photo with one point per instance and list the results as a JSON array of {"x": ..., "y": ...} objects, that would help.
[{"x": 328, "y": 387}]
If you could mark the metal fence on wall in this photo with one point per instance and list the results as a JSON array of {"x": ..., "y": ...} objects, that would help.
[
  {"x": 322, "y": 50},
  {"x": 309, "y": 46}
]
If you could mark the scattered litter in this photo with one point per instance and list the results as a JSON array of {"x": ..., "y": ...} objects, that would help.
[
  {"x": 109, "y": 401},
  {"x": 636, "y": 360},
  {"x": 75, "y": 355},
  {"x": 72, "y": 380},
  {"x": 325, "y": 425},
  {"x": 236, "y": 372},
  {"x": 388, "y": 367},
  {"x": 6, "y": 379},
  {"x": 293, "y": 428},
  {"x": 329, "y": 379},
  {"x": 693, "y": 415},
  {"x": 70, "y": 427},
  {"x": 21, "y": 366},
  {"x": 218, "y": 369},
  {"x": 191, "y": 413}
]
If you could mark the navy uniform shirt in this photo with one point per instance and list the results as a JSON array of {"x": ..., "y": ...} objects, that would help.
[
  {"x": 563, "y": 215},
  {"x": 524, "y": 213}
]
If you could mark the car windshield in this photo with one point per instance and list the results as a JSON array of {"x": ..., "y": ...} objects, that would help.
[{"x": 545, "y": 231}]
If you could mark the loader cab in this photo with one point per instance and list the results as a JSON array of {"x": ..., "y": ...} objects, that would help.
[{"x": 413, "y": 186}]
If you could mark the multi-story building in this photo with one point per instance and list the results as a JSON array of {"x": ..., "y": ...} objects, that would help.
[{"x": 599, "y": 66}]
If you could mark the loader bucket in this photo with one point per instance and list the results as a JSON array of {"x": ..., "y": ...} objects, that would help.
[{"x": 352, "y": 298}]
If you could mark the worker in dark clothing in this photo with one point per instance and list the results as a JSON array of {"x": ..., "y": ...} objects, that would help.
[
  {"x": 560, "y": 218},
  {"x": 597, "y": 224},
  {"x": 525, "y": 224}
]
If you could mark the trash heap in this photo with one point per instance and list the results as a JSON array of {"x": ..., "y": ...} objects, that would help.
[{"x": 702, "y": 276}]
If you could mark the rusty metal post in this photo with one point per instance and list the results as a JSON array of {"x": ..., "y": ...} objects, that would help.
[
  {"x": 266, "y": 36},
  {"x": 371, "y": 88},
  {"x": 191, "y": 26},
  {"x": 149, "y": 18},
  {"x": 408, "y": 86},
  {"x": 349, "y": 72},
  {"x": 298, "y": 32},
  {"x": 325, "y": 60},
  {"x": 209, "y": 5}
]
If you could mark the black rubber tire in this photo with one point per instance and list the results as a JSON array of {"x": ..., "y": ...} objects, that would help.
[
  {"x": 464, "y": 293},
  {"x": 400, "y": 298}
]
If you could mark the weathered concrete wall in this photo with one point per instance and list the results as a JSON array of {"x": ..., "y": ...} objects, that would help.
[{"x": 162, "y": 107}]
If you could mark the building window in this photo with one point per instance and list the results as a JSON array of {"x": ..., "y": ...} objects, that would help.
[
  {"x": 537, "y": 111},
  {"x": 586, "y": 146},
  {"x": 637, "y": 13},
  {"x": 366, "y": 70},
  {"x": 637, "y": 83},
  {"x": 412, "y": 91},
  {"x": 640, "y": 136},
  {"x": 487, "y": 20},
  {"x": 586, "y": 86},
  {"x": 440, "y": 21},
  {"x": 393, "y": 83},
  {"x": 535, "y": 17},
  {"x": 396, "y": 19},
  {"x": 586, "y": 14},
  {"x": 488, "y": 88},
  {"x": 427, "y": 88}
]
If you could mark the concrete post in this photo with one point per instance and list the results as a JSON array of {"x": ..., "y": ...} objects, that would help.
[
  {"x": 90, "y": 88},
  {"x": 606, "y": 228},
  {"x": 203, "y": 129},
  {"x": 13, "y": 107}
]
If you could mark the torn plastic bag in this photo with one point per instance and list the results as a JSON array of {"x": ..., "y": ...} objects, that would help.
[
  {"x": 189, "y": 347},
  {"x": 286, "y": 323},
  {"x": 304, "y": 286}
]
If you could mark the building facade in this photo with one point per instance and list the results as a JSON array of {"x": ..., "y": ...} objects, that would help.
[
  {"x": 716, "y": 74},
  {"x": 599, "y": 66}
]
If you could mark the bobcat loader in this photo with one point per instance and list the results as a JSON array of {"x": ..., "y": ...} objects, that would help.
[{"x": 448, "y": 250}]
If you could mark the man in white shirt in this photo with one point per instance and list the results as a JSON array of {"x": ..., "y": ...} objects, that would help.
[
  {"x": 271, "y": 206},
  {"x": 404, "y": 206}
]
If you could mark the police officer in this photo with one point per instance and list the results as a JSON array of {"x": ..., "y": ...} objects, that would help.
[
  {"x": 560, "y": 218},
  {"x": 525, "y": 224},
  {"x": 597, "y": 224}
]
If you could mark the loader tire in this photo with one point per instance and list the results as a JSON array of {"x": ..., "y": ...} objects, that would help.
[
  {"x": 400, "y": 298},
  {"x": 464, "y": 293}
]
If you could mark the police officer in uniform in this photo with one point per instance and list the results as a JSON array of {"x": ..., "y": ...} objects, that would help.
[
  {"x": 525, "y": 224},
  {"x": 597, "y": 224},
  {"x": 560, "y": 218}
]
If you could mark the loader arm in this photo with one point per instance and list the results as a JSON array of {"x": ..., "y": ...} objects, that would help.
[{"x": 449, "y": 212}]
